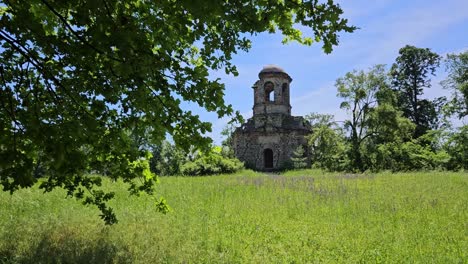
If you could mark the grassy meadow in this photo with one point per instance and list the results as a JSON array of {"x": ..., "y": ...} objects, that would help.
[{"x": 296, "y": 217}]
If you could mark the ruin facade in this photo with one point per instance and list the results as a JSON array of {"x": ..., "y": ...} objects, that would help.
[{"x": 268, "y": 139}]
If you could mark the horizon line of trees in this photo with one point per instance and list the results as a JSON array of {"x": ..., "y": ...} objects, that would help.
[{"x": 390, "y": 125}]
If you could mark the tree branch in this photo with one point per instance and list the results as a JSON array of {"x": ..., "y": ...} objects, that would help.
[
  {"x": 65, "y": 22},
  {"x": 40, "y": 67}
]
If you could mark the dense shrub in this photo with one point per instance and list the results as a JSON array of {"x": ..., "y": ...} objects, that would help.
[
  {"x": 299, "y": 158},
  {"x": 409, "y": 156},
  {"x": 211, "y": 163},
  {"x": 327, "y": 143},
  {"x": 457, "y": 148}
]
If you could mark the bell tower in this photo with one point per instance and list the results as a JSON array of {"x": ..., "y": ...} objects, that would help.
[{"x": 271, "y": 92}]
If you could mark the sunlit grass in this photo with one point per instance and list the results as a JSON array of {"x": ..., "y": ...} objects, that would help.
[{"x": 300, "y": 216}]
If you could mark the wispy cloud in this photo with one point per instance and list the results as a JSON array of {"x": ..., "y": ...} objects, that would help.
[{"x": 383, "y": 36}]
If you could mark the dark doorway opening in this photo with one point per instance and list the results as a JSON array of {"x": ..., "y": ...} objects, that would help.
[{"x": 268, "y": 158}]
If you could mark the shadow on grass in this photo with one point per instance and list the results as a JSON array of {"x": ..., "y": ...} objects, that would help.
[{"x": 66, "y": 247}]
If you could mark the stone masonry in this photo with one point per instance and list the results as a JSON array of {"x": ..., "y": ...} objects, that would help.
[{"x": 268, "y": 139}]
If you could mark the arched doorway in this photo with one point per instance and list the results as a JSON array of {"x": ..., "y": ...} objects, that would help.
[
  {"x": 269, "y": 92},
  {"x": 268, "y": 158}
]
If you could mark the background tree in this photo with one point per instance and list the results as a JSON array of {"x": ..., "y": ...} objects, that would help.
[
  {"x": 299, "y": 158},
  {"x": 167, "y": 159},
  {"x": 388, "y": 127},
  {"x": 359, "y": 90},
  {"x": 411, "y": 74},
  {"x": 76, "y": 75},
  {"x": 457, "y": 82},
  {"x": 318, "y": 119},
  {"x": 227, "y": 143},
  {"x": 327, "y": 143},
  {"x": 457, "y": 147},
  {"x": 381, "y": 138}
]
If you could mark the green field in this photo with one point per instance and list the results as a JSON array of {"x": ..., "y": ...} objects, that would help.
[{"x": 295, "y": 217}]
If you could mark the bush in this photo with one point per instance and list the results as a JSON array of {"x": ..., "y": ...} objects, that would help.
[
  {"x": 211, "y": 163},
  {"x": 299, "y": 158},
  {"x": 457, "y": 148},
  {"x": 409, "y": 156}
]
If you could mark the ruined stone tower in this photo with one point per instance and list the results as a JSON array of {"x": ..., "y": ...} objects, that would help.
[{"x": 268, "y": 139}]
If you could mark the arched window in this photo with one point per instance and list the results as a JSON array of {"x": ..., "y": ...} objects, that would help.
[
  {"x": 269, "y": 92},
  {"x": 268, "y": 158}
]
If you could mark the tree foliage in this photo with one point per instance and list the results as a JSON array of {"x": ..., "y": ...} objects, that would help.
[
  {"x": 457, "y": 148},
  {"x": 360, "y": 91},
  {"x": 385, "y": 116},
  {"x": 77, "y": 76},
  {"x": 410, "y": 155},
  {"x": 167, "y": 159},
  {"x": 227, "y": 143},
  {"x": 380, "y": 136},
  {"x": 411, "y": 74},
  {"x": 212, "y": 162},
  {"x": 299, "y": 158},
  {"x": 327, "y": 143},
  {"x": 457, "y": 83}
]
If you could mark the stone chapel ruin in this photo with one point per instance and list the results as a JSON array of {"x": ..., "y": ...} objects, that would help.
[{"x": 268, "y": 139}]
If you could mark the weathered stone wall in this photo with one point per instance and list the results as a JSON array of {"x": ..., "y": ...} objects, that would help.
[
  {"x": 281, "y": 102},
  {"x": 251, "y": 142}
]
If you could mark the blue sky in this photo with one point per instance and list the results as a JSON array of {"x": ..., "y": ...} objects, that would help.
[{"x": 385, "y": 27}]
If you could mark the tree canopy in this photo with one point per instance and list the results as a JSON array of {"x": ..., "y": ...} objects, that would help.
[
  {"x": 391, "y": 126},
  {"x": 83, "y": 82},
  {"x": 411, "y": 73},
  {"x": 457, "y": 82},
  {"x": 364, "y": 93}
]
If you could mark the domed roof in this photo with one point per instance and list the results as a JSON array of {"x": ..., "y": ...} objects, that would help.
[{"x": 271, "y": 68}]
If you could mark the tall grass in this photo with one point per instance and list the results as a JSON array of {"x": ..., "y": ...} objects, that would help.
[{"x": 297, "y": 217}]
